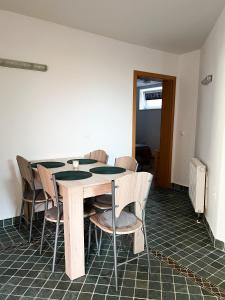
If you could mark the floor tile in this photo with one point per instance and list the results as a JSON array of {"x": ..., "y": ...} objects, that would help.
[{"x": 172, "y": 233}]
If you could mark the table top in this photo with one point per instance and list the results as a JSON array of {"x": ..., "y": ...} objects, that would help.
[{"x": 95, "y": 179}]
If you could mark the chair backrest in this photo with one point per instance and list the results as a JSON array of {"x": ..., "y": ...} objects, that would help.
[
  {"x": 130, "y": 188},
  {"x": 99, "y": 155},
  {"x": 25, "y": 171},
  {"x": 48, "y": 183},
  {"x": 126, "y": 162}
]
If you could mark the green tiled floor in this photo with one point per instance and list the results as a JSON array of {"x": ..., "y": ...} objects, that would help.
[
  {"x": 176, "y": 233},
  {"x": 171, "y": 229}
]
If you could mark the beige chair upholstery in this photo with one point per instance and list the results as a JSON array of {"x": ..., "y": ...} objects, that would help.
[
  {"x": 32, "y": 191},
  {"x": 99, "y": 155},
  {"x": 40, "y": 197},
  {"x": 131, "y": 188},
  {"x": 55, "y": 214},
  {"x": 127, "y": 162},
  {"x": 25, "y": 171},
  {"x": 126, "y": 223},
  {"x": 51, "y": 214},
  {"x": 105, "y": 201}
]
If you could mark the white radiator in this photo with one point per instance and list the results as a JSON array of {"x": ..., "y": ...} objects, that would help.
[{"x": 197, "y": 185}]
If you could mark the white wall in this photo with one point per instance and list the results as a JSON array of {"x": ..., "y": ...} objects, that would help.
[
  {"x": 185, "y": 116},
  {"x": 83, "y": 102},
  {"x": 148, "y": 128},
  {"x": 210, "y": 139}
]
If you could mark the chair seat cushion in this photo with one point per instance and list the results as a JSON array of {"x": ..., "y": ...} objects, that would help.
[
  {"x": 126, "y": 223},
  {"x": 103, "y": 201},
  {"x": 51, "y": 214},
  {"x": 125, "y": 219},
  {"x": 40, "y": 197}
]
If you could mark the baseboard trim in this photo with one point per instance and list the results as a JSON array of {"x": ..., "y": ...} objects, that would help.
[
  {"x": 179, "y": 187},
  {"x": 15, "y": 220},
  {"x": 217, "y": 244},
  {"x": 9, "y": 222}
]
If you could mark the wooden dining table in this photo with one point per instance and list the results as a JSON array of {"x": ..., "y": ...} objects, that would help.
[{"x": 74, "y": 192}]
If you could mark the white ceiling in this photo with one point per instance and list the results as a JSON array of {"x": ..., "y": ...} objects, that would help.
[{"x": 176, "y": 26}]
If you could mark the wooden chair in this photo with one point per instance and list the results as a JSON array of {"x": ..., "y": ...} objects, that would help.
[
  {"x": 105, "y": 201},
  {"x": 126, "y": 162},
  {"x": 132, "y": 188},
  {"x": 55, "y": 214},
  {"x": 32, "y": 192},
  {"x": 99, "y": 155}
]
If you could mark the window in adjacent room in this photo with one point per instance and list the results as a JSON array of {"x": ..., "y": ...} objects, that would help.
[{"x": 150, "y": 98}]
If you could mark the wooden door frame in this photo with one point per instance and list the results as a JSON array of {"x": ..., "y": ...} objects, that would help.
[{"x": 166, "y": 131}]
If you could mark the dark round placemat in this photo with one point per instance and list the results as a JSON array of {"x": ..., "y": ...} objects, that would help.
[
  {"x": 72, "y": 175},
  {"x": 83, "y": 161},
  {"x": 107, "y": 170},
  {"x": 48, "y": 164}
]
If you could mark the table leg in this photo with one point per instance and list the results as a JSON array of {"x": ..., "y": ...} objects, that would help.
[
  {"x": 138, "y": 235},
  {"x": 74, "y": 232}
]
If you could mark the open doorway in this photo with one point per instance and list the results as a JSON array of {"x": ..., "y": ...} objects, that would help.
[
  {"x": 148, "y": 124},
  {"x": 153, "y": 115}
]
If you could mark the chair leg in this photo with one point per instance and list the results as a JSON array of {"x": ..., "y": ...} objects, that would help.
[
  {"x": 115, "y": 260},
  {"x": 146, "y": 245},
  {"x": 100, "y": 243},
  {"x": 42, "y": 234},
  {"x": 21, "y": 214},
  {"x": 89, "y": 240},
  {"x": 96, "y": 237},
  {"x": 31, "y": 221},
  {"x": 43, "y": 228},
  {"x": 55, "y": 246}
]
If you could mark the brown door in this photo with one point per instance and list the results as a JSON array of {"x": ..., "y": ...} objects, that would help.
[
  {"x": 166, "y": 134},
  {"x": 164, "y": 160}
]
